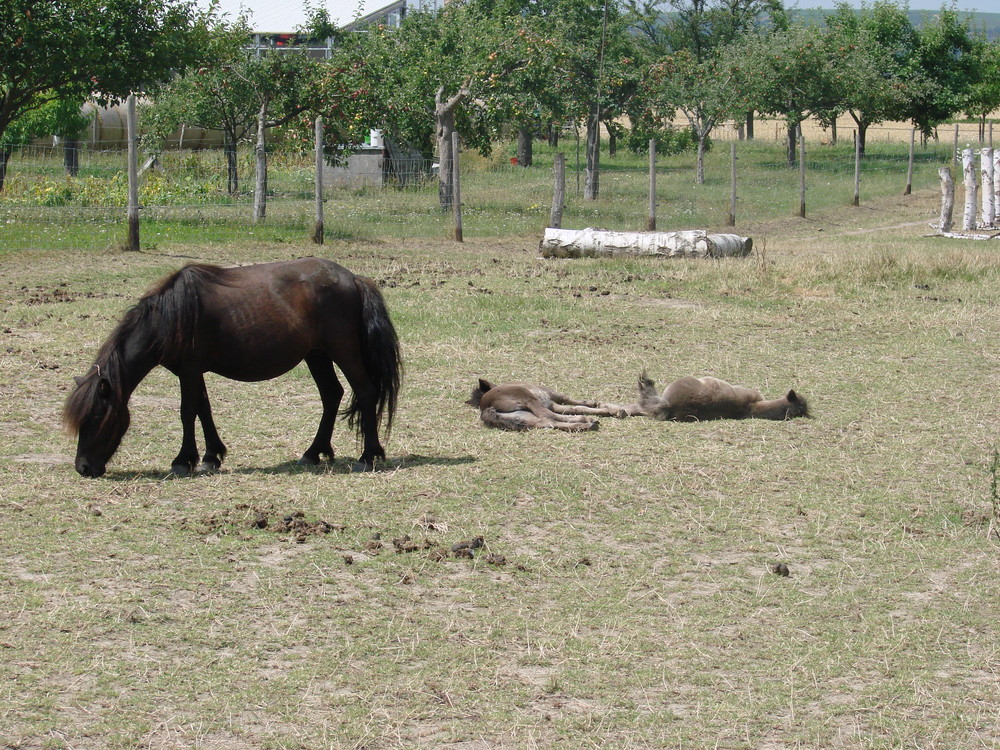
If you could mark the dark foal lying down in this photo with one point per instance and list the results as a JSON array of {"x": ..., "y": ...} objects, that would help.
[
  {"x": 523, "y": 406},
  {"x": 695, "y": 399}
]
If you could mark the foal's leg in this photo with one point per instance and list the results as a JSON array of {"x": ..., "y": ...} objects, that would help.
[
  {"x": 563, "y": 404},
  {"x": 522, "y": 419},
  {"x": 330, "y": 393},
  {"x": 597, "y": 409}
]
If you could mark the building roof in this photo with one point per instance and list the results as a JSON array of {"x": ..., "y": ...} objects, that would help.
[{"x": 288, "y": 16}]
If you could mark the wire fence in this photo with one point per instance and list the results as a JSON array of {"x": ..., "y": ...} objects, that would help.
[{"x": 188, "y": 196}]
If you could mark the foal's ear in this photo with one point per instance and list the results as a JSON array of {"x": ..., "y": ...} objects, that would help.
[
  {"x": 793, "y": 397},
  {"x": 485, "y": 385}
]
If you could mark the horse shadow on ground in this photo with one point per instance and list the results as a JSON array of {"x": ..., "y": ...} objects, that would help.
[{"x": 337, "y": 466}]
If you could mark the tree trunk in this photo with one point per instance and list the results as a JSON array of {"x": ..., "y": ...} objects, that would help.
[
  {"x": 792, "y": 143},
  {"x": 591, "y": 186},
  {"x": 444, "y": 118},
  {"x": 833, "y": 131},
  {"x": 612, "y": 142},
  {"x": 260, "y": 186},
  {"x": 71, "y": 156},
  {"x": 750, "y": 125},
  {"x": 524, "y": 146},
  {"x": 862, "y": 136},
  {"x": 553, "y": 135},
  {"x": 232, "y": 169},
  {"x": 5, "y": 151},
  {"x": 700, "y": 169}
]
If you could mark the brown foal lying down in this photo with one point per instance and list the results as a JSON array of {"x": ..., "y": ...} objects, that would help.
[
  {"x": 695, "y": 399},
  {"x": 522, "y": 406}
]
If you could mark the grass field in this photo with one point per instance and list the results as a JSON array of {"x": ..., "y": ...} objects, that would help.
[{"x": 624, "y": 596}]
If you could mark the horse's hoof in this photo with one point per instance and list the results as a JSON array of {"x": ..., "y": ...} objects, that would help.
[
  {"x": 362, "y": 466},
  {"x": 180, "y": 470},
  {"x": 308, "y": 461},
  {"x": 209, "y": 468}
]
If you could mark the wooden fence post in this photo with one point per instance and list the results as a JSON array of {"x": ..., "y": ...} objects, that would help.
[
  {"x": 987, "y": 178},
  {"x": 651, "y": 220},
  {"x": 971, "y": 190},
  {"x": 133, "y": 174},
  {"x": 731, "y": 220},
  {"x": 802, "y": 173},
  {"x": 318, "y": 227},
  {"x": 456, "y": 199},
  {"x": 909, "y": 165},
  {"x": 558, "y": 191},
  {"x": 857, "y": 169},
  {"x": 947, "y": 198}
]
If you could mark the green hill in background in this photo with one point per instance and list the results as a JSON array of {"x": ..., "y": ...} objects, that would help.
[{"x": 985, "y": 23}]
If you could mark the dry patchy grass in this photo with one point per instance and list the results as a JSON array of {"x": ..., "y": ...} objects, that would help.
[{"x": 624, "y": 595}]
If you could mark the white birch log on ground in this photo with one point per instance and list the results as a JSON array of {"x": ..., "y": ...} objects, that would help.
[
  {"x": 986, "y": 170},
  {"x": 947, "y": 199},
  {"x": 590, "y": 243},
  {"x": 971, "y": 190}
]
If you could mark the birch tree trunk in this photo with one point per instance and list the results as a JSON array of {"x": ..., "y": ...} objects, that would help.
[
  {"x": 444, "y": 118},
  {"x": 971, "y": 191},
  {"x": 591, "y": 186},
  {"x": 260, "y": 162},
  {"x": 996, "y": 183},
  {"x": 947, "y": 199},
  {"x": 986, "y": 169}
]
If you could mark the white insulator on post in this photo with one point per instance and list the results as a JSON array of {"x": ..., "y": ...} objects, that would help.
[
  {"x": 986, "y": 168},
  {"x": 971, "y": 190}
]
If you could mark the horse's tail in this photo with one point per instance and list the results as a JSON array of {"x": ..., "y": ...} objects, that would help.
[{"x": 380, "y": 354}]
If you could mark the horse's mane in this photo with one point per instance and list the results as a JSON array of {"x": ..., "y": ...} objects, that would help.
[{"x": 166, "y": 316}]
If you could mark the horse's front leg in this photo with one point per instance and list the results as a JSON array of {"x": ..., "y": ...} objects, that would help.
[
  {"x": 192, "y": 389},
  {"x": 330, "y": 392}
]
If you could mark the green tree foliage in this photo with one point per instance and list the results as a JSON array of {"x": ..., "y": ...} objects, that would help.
[
  {"x": 700, "y": 90},
  {"x": 983, "y": 95},
  {"x": 68, "y": 50},
  {"x": 789, "y": 74},
  {"x": 945, "y": 63},
  {"x": 875, "y": 77}
]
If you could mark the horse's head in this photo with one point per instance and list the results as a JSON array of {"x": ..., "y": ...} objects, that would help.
[{"x": 97, "y": 412}]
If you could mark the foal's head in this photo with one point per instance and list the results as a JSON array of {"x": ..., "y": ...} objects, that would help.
[
  {"x": 794, "y": 406},
  {"x": 478, "y": 392},
  {"x": 97, "y": 412}
]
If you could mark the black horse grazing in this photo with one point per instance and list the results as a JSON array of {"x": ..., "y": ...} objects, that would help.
[{"x": 247, "y": 323}]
